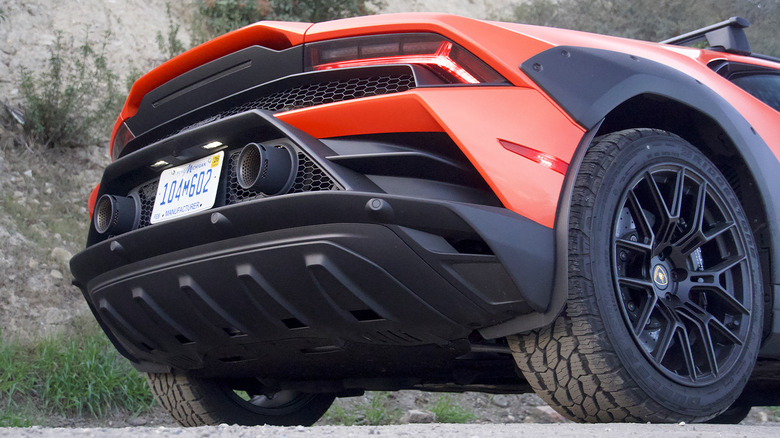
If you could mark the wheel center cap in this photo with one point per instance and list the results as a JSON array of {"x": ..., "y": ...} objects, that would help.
[{"x": 660, "y": 277}]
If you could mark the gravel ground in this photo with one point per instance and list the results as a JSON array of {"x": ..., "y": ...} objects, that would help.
[{"x": 415, "y": 430}]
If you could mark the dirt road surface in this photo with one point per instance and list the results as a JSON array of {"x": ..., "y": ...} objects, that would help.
[{"x": 411, "y": 431}]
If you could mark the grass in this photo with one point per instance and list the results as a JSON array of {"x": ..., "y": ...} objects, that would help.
[
  {"x": 80, "y": 375},
  {"x": 377, "y": 408},
  {"x": 448, "y": 412},
  {"x": 373, "y": 409}
]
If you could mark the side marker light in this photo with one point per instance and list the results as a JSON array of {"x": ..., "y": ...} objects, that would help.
[{"x": 539, "y": 157}]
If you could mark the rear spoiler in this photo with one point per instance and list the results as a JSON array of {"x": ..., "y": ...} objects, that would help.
[{"x": 728, "y": 36}]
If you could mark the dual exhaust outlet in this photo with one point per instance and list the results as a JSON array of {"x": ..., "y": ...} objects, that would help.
[{"x": 267, "y": 170}]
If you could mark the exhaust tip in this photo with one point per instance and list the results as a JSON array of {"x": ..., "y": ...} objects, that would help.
[
  {"x": 114, "y": 214},
  {"x": 266, "y": 169}
]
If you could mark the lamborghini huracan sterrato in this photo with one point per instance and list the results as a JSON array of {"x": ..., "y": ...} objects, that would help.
[{"x": 297, "y": 212}]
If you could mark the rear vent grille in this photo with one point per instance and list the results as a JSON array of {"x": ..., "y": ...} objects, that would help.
[
  {"x": 310, "y": 178},
  {"x": 307, "y": 95},
  {"x": 334, "y": 91}
]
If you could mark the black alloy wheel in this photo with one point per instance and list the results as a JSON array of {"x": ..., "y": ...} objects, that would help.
[
  {"x": 682, "y": 274},
  {"x": 664, "y": 315}
]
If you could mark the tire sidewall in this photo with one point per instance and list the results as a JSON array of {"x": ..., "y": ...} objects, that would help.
[{"x": 636, "y": 156}]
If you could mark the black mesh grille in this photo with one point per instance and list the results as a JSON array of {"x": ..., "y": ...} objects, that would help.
[
  {"x": 310, "y": 178},
  {"x": 147, "y": 194},
  {"x": 235, "y": 193},
  {"x": 334, "y": 91},
  {"x": 318, "y": 94}
]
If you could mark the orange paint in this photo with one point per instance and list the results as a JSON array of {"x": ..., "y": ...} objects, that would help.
[{"x": 474, "y": 117}]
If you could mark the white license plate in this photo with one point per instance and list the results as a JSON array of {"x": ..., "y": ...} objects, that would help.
[{"x": 187, "y": 189}]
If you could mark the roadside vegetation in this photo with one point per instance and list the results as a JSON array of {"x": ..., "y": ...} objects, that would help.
[
  {"x": 70, "y": 104},
  {"x": 74, "y": 375},
  {"x": 654, "y": 20}
]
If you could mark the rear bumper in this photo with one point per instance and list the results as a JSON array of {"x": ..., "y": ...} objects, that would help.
[{"x": 330, "y": 284}]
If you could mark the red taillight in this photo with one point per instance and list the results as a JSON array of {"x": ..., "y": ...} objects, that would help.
[
  {"x": 542, "y": 158},
  {"x": 92, "y": 200},
  {"x": 439, "y": 59},
  {"x": 121, "y": 138},
  {"x": 449, "y": 60}
]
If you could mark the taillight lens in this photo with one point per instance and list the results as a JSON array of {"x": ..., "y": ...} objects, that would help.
[
  {"x": 450, "y": 61},
  {"x": 122, "y": 137}
]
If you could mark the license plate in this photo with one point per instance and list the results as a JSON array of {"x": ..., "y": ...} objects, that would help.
[{"x": 187, "y": 189}]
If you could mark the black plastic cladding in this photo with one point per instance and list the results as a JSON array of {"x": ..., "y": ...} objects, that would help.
[{"x": 213, "y": 81}]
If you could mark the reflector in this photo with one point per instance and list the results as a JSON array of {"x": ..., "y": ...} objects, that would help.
[{"x": 542, "y": 158}]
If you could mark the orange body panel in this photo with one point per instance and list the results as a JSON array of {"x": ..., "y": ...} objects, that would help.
[
  {"x": 474, "y": 118},
  {"x": 491, "y": 45},
  {"x": 402, "y": 112}
]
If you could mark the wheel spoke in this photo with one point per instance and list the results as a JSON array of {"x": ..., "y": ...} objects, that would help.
[
  {"x": 685, "y": 343},
  {"x": 725, "y": 331},
  {"x": 700, "y": 319},
  {"x": 722, "y": 267},
  {"x": 717, "y": 231},
  {"x": 709, "y": 348},
  {"x": 669, "y": 216},
  {"x": 630, "y": 245},
  {"x": 636, "y": 282},
  {"x": 647, "y": 311},
  {"x": 695, "y": 237},
  {"x": 640, "y": 218},
  {"x": 679, "y": 186},
  {"x": 665, "y": 341}
]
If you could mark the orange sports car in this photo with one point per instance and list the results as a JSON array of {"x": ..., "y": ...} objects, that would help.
[{"x": 297, "y": 212}]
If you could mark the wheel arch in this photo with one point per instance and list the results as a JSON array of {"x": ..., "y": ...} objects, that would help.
[{"x": 606, "y": 91}]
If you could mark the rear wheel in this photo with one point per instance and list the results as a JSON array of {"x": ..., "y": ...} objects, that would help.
[
  {"x": 193, "y": 401},
  {"x": 663, "y": 317}
]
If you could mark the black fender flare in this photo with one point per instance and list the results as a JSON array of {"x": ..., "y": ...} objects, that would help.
[{"x": 588, "y": 84}]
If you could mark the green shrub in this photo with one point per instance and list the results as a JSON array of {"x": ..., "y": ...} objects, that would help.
[
  {"x": 320, "y": 10},
  {"x": 377, "y": 412},
  {"x": 170, "y": 44},
  {"x": 74, "y": 100},
  {"x": 216, "y": 17},
  {"x": 78, "y": 375},
  {"x": 448, "y": 412}
]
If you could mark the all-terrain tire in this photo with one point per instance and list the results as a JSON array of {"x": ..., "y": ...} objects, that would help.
[
  {"x": 638, "y": 342},
  {"x": 193, "y": 402}
]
